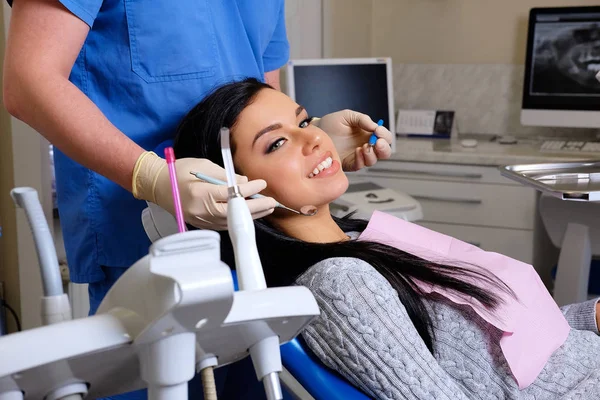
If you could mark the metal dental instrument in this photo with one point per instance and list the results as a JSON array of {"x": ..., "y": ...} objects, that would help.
[{"x": 308, "y": 211}]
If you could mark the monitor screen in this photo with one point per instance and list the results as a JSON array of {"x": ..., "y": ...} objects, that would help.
[
  {"x": 324, "y": 86},
  {"x": 563, "y": 58}
]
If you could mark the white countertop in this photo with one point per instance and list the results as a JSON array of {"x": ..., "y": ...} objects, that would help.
[{"x": 487, "y": 152}]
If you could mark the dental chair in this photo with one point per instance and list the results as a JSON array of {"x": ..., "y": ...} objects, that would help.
[
  {"x": 574, "y": 228},
  {"x": 319, "y": 381}
]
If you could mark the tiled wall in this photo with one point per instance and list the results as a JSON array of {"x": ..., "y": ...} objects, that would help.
[{"x": 486, "y": 97}]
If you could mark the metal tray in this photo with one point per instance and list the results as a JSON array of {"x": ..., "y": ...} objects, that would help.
[{"x": 575, "y": 181}]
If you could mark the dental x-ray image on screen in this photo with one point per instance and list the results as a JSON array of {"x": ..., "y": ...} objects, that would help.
[
  {"x": 566, "y": 58},
  {"x": 562, "y": 59}
]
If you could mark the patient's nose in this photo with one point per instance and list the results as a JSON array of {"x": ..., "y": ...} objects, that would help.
[{"x": 313, "y": 140}]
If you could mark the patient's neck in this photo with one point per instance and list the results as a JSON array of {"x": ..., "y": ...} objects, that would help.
[{"x": 320, "y": 228}]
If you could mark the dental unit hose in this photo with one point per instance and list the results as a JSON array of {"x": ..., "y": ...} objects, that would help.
[
  {"x": 208, "y": 383},
  {"x": 27, "y": 198},
  {"x": 55, "y": 303}
]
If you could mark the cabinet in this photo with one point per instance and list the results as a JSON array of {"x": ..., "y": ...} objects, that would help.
[{"x": 472, "y": 203}]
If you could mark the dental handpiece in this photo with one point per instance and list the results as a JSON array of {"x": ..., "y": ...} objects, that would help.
[{"x": 308, "y": 211}]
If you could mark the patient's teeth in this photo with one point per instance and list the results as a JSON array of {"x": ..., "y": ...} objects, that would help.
[
  {"x": 321, "y": 166},
  {"x": 593, "y": 67}
]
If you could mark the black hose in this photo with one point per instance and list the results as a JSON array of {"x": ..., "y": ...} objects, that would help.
[{"x": 4, "y": 304}]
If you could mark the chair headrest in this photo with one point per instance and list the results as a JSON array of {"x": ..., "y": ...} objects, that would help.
[{"x": 158, "y": 223}]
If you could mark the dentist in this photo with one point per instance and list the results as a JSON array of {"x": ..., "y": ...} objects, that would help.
[{"x": 106, "y": 81}]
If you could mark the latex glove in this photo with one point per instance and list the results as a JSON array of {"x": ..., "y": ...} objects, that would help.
[
  {"x": 204, "y": 205},
  {"x": 350, "y": 132}
]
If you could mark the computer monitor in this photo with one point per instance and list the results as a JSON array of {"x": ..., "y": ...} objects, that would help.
[
  {"x": 563, "y": 58},
  {"x": 365, "y": 85}
]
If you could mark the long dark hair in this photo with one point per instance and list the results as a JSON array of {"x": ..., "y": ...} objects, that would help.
[{"x": 285, "y": 258}]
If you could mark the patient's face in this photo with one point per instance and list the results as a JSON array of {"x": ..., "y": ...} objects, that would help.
[{"x": 275, "y": 141}]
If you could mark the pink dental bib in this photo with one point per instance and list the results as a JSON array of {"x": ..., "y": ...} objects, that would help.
[{"x": 533, "y": 325}]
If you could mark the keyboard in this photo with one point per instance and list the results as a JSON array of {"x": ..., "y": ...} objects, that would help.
[{"x": 569, "y": 146}]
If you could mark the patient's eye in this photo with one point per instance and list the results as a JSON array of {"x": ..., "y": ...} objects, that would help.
[
  {"x": 275, "y": 145},
  {"x": 305, "y": 122}
]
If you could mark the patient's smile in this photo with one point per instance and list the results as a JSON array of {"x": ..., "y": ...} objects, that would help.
[
  {"x": 323, "y": 165},
  {"x": 325, "y": 169}
]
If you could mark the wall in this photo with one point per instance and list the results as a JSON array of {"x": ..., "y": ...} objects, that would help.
[
  {"x": 304, "y": 23},
  {"x": 348, "y": 28},
  {"x": 9, "y": 273},
  {"x": 455, "y": 31},
  {"x": 462, "y": 55}
]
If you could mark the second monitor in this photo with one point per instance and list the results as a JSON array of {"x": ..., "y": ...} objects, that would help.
[
  {"x": 365, "y": 85},
  {"x": 563, "y": 57}
]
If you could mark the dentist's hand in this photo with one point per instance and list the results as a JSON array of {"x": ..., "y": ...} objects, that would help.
[
  {"x": 350, "y": 132},
  {"x": 204, "y": 205}
]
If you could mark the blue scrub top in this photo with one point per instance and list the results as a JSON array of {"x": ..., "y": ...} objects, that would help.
[{"x": 145, "y": 64}]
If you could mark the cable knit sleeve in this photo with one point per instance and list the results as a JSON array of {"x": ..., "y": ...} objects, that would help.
[
  {"x": 365, "y": 334},
  {"x": 582, "y": 316}
]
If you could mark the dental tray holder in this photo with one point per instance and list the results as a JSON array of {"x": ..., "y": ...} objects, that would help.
[
  {"x": 569, "y": 225},
  {"x": 169, "y": 315},
  {"x": 573, "y": 181}
]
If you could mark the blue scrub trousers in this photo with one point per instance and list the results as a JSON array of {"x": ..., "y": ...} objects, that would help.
[{"x": 235, "y": 381}]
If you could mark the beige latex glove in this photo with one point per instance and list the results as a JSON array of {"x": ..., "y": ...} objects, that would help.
[
  {"x": 350, "y": 132},
  {"x": 204, "y": 205}
]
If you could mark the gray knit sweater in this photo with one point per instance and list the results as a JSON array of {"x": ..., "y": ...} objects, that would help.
[{"x": 365, "y": 334}]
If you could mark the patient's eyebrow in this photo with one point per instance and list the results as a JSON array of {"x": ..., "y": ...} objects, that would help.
[
  {"x": 269, "y": 128},
  {"x": 273, "y": 127}
]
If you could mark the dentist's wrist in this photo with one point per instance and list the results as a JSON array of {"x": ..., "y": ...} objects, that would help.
[{"x": 315, "y": 121}]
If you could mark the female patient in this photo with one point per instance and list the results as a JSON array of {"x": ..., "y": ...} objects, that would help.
[{"x": 376, "y": 327}]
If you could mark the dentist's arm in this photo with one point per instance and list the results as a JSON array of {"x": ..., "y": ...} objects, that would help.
[
  {"x": 44, "y": 41},
  {"x": 273, "y": 78}
]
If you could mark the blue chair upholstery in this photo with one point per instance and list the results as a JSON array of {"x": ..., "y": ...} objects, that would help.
[
  {"x": 321, "y": 382},
  {"x": 318, "y": 380}
]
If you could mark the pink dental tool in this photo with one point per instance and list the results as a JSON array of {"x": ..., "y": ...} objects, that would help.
[{"x": 170, "y": 157}]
